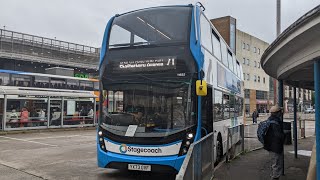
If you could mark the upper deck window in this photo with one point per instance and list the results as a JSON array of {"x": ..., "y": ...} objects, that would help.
[{"x": 152, "y": 26}]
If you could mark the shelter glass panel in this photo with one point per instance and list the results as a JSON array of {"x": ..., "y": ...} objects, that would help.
[
  {"x": 30, "y": 111},
  {"x": 78, "y": 111},
  {"x": 55, "y": 111}
]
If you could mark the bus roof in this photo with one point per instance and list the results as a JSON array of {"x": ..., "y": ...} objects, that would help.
[{"x": 31, "y": 92}]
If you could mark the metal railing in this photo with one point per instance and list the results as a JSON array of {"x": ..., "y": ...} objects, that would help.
[
  {"x": 199, "y": 161},
  {"x": 15, "y": 44},
  {"x": 235, "y": 141}
]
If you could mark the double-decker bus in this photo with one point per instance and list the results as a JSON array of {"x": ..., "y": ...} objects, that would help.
[
  {"x": 172, "y": 80},
  {"x": 49, "y": 81}
]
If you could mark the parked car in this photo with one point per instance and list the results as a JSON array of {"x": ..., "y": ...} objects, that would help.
[{"x": 309, "y": 110}]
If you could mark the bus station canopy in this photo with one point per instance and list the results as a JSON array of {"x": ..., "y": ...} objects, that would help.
[
  {"x": 291, "y": 56},
  {"x": 47, "y": 92}
]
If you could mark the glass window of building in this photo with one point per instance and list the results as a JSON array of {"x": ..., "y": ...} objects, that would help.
[
  {"x": 258, "y": 78},
  {"x": 205, "y": 31},
  {"x": 216, "y": 45},
  {"x": 232, "y": 37},
  {"x": 254, "y": 49},
  {"x": 247, "y": 93},
  {"x": 258, "y": 50},
  {"x": 244, "y": 76},
  {"x": 224, "y": 53},
  {"x": 244, "y": 46},
  {"x": 4, "y": 79},
  {"x": 248, "y": 77},
  {"x": 248, "y": 62},
  {"x": 244, "y": 61},
  {"x": 255, "y": 63},
  {"x": 248, "y": 47},
  {"x": 258, "y": 65},
  {"x": 261, "y": 94},
  {"x": 264, "y": 80},
  {"x": 255, "y": 78}
]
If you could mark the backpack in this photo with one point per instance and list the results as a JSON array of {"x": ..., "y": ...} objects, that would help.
[{"x": 263, "y": 129}]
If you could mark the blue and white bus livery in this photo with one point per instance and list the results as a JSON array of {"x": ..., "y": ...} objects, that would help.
[{"x": 164, "y": 84}]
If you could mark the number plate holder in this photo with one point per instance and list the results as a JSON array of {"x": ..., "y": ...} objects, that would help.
[{"x": 139, "y": 167}]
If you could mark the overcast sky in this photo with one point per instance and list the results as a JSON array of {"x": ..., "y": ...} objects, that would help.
[{"x": 83, "y": 21}]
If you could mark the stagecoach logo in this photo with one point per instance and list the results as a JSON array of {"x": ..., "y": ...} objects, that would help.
[{"x": 124, "y": 148}]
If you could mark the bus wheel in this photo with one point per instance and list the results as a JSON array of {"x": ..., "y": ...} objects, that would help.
[{"x": 219, "y": 150}]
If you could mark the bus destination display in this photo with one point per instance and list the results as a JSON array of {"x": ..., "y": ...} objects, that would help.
[{"x": 150, "y": 64}]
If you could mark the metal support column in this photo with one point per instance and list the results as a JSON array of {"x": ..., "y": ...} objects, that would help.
[
  {"x": 295, "y": 133},
  {"x": 317, "y": 109},
  {"x": 5, "y": 99},
  {"x": 48, "y": 113},
  {"x": 62, "y": 111},
  {"x": 94, "y": 111},
  {"x": 280, "y": 100}
]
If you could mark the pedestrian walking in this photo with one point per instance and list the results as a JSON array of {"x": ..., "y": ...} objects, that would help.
[
  {"x": 274, "y": 140},
  {"x": 255, "y": 116}
]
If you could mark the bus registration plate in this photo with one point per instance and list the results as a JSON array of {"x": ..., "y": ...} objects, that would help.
[{"x": 139, "y": 167}]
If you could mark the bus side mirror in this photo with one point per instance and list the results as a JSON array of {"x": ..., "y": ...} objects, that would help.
[{"x": 201, "y": 88}]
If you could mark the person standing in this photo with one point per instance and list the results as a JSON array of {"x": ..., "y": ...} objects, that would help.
[
  {"x": 254, "y": 116},
  {"x": 24, "y": 117},
  {"x": 274, "y": 140}
]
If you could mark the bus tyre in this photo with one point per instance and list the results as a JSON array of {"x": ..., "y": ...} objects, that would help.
[{"x": 219, "y": 150}]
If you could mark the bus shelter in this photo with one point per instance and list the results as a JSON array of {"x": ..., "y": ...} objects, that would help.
[
  {"x": 38, "y": 109},
  {"x": 294, "y": 59}
]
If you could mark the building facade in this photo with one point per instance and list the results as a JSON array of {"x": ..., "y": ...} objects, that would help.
[{"x": 256, "y": 81}]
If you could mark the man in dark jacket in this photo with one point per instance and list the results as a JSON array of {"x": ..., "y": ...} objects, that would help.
[
  {"x": 274, "y": 140},
  {"x": 255, "y": 116}
]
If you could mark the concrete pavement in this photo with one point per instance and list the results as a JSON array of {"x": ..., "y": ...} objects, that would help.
[
  {"x": 57, "y": 155},
  {"x": 256, "y": 165}
]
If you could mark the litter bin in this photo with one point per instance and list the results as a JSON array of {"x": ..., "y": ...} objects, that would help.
[{"x": 287, "y": 133}]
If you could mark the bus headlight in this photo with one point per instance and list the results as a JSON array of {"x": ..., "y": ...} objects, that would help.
[
  {"x": 184, "y": 150},
  {"x": 100, "y": 133},
  {"x": 100, "y": 140},
  {"x": 189, "y": 136},
  {"x": 186, "y": 143}
]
